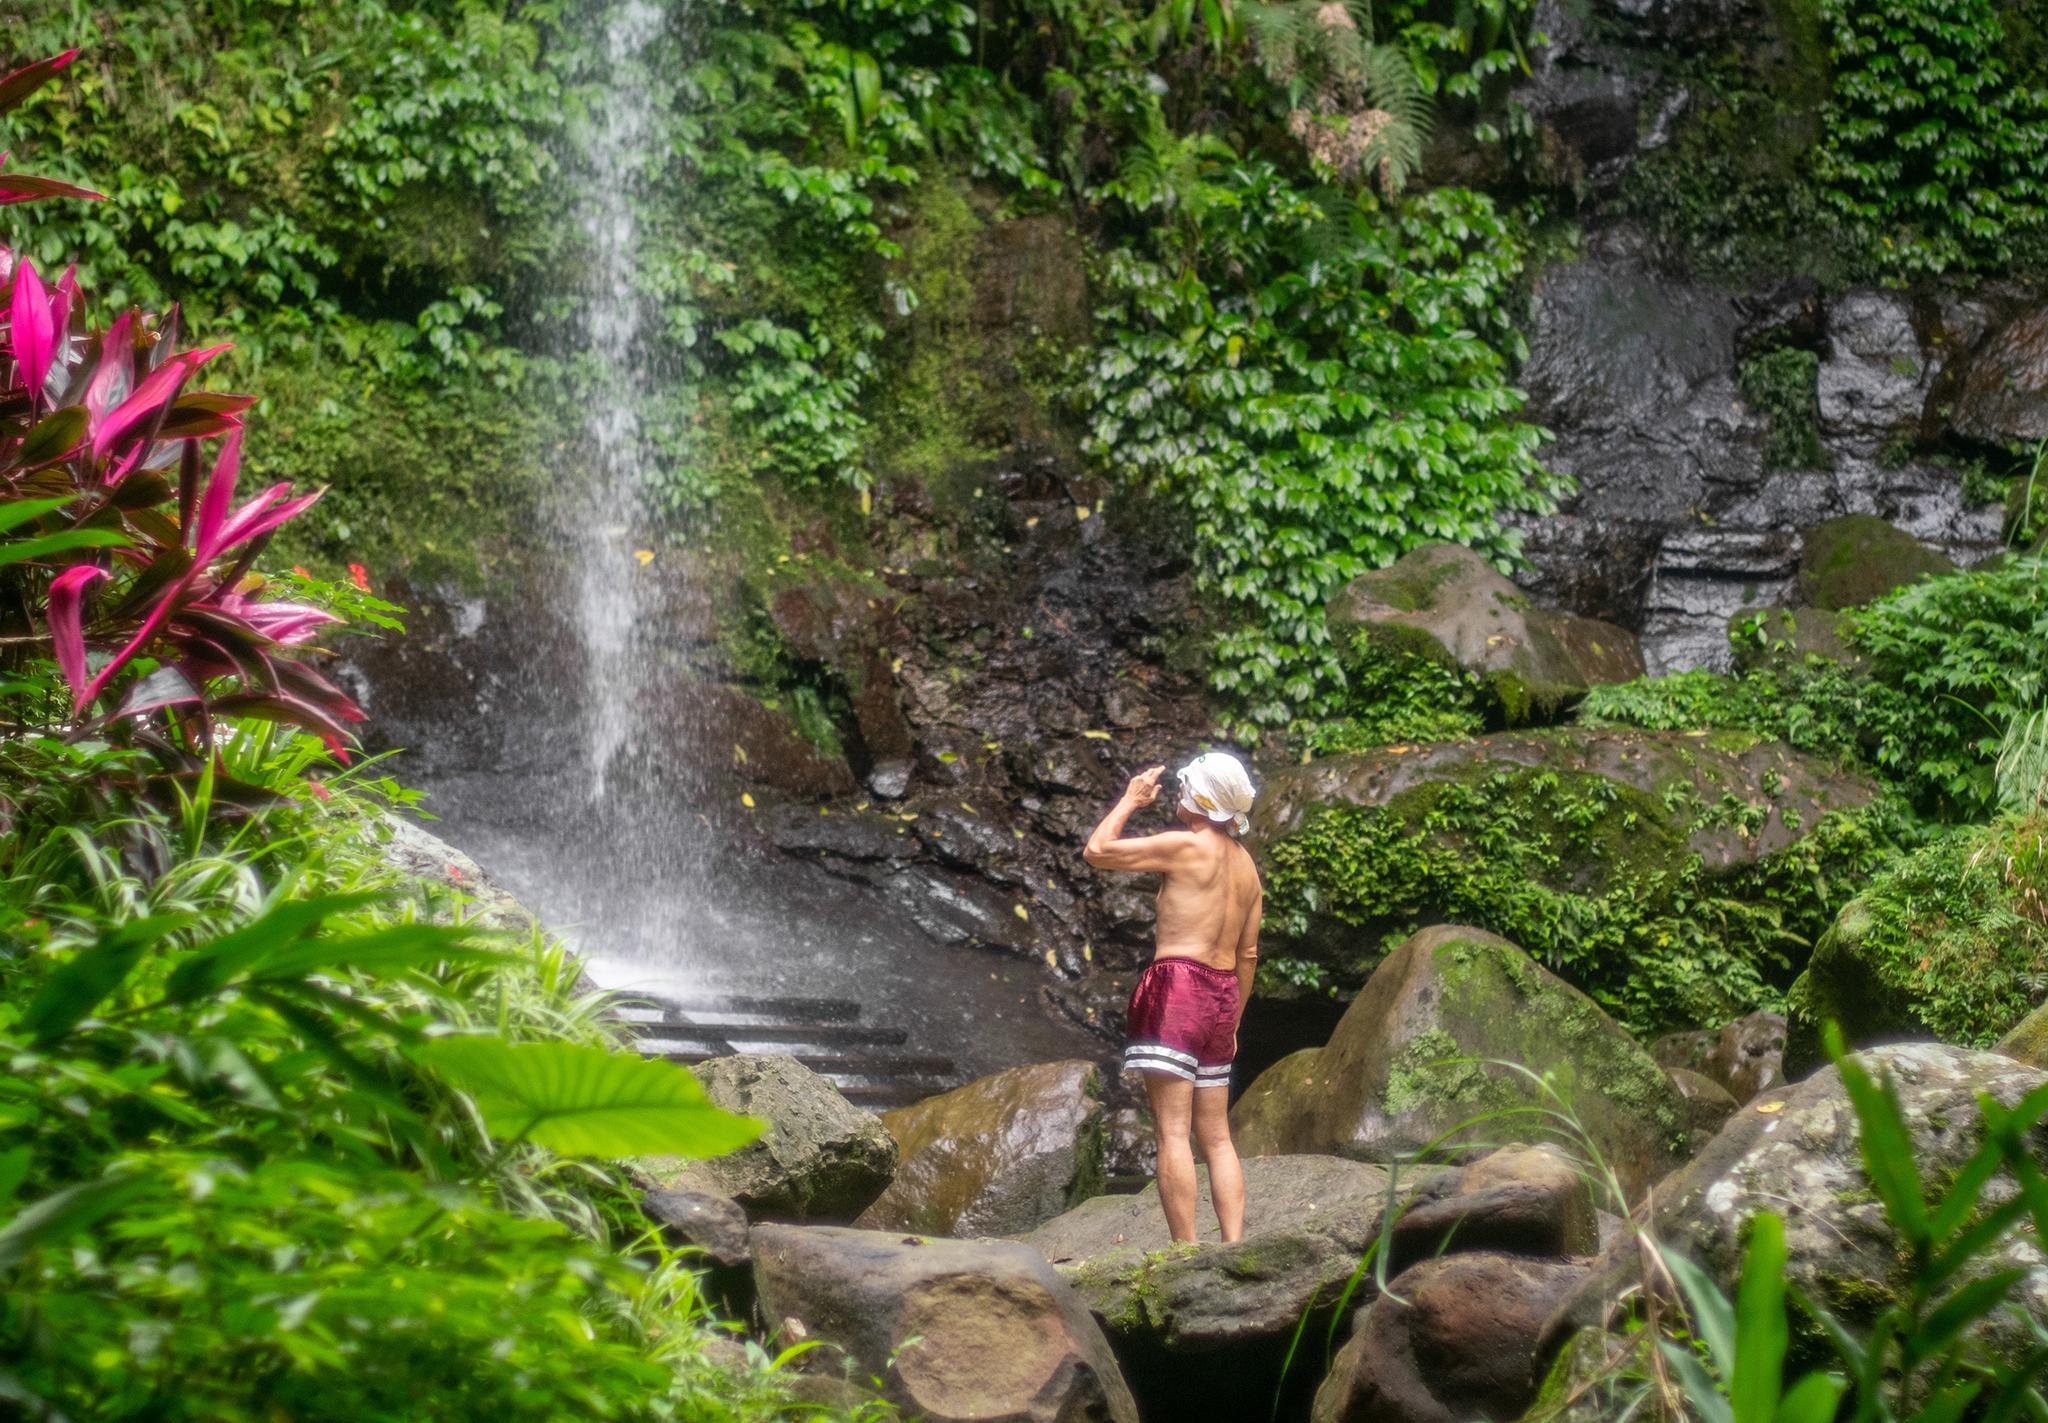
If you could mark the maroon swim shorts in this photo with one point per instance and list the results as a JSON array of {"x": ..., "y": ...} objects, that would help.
[{"x": 1183, "y": 1022}]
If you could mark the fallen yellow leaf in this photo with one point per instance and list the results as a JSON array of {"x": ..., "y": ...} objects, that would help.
[
  {"x": 739, "y": 754},
  {"x": 1769, "y": 1107},
  {"x": 1082, "y": 511},
  {"x": 1052, "y": 960},
  {"x": 1021, "y": 912},
  {"x": 1096, "y": 735},
  {"x": 645, "y": 555},
  {"x": 867, "y": 502},
  {"x": 746, "y": 800}
]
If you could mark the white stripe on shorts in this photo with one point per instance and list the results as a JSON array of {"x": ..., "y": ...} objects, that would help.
[{"x": 1185, "y": 1059}]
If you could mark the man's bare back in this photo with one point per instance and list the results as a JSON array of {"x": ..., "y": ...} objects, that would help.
[{"x": 1181, "y": 1026}]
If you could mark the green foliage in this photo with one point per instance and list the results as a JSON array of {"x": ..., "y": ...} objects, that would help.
[
  {"x": 1400, "y": 698},
  {"x": 1964, "y": 653},
  {"x": 1956, "y": 931},
  {"x": 1820, "y": 707},
  {"x": 239, "y": 1177},
  {"x": 1318, "y": 417},
  {"x": 1935, "y": 151},
  {"x": 1782, "y": 386},
  {"x": 1593, "y": 877}
]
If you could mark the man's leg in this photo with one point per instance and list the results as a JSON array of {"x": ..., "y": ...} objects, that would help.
[
  {"x": 1172, "y": 1103},
  {"x": 1226, "y": 1175}
]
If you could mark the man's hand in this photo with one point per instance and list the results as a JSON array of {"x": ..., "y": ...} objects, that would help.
[{"x": 1144, "y": 787}]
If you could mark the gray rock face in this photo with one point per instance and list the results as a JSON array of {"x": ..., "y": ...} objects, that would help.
[
  {"x": 979, "y": 1330},
  {"x": 821, "y": 1158},
  {"x": 1447, "y": 603},
  {"x": 1453, "y": 1339},
  {"x": 1678, "y": 524},
  {"x": 1204, "y": 1328},
  {"x": 1796, "y": 1150},
  {"x": 1408, "y": 1063},
  {"x": 995, "y": 1157},
  {"x": 702, "y": 1220},
  {"x": 1744, "y": 1057}
]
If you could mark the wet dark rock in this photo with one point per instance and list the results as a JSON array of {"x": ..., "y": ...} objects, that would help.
[
  {"x": 997, "y": 1157},
  {"x": 1521, "y": 1200},
  {"x": 1097, "y": 1001},
  {"x": 767, "y": 749},
  {"x": 821, "y": 1157},
  {"x": 1411, "y": 1059},
  {"x": 1453, "y": 1340},
  {"x": 1447, "y": 603},
  {"x": 1847, "y": 561},
  {"x": 954, "y": 1329},
  {"x": 2003, "y": 398},
  {"x": 1678, "y": 523},
  {"x": 1202, "y": 1329},
  {"x": 1796, "y": 1150}
]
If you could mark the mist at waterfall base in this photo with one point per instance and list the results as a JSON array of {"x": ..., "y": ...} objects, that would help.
[{"x": 595, "y": 794}]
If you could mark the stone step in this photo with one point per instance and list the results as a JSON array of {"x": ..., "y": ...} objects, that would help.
[
  {"x": 801, "y": 1034},
  {"x": 782, "y": 1010},
  {"x": 842, "y": 1065}
]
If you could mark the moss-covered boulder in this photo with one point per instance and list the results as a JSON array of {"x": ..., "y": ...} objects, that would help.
[
  {"x": 1589, "y": 846},
  {"x": 1797, "y": 1151},
  {"x": 998, "y": 1156},
  {"x": 1780, "y": 637},
  {"x": 1949, "y": 942},
  {"x": 1445, "y": 604},
  {"x": 1422, "y": 1049},
  {"x": 1202, "y": 1330},
  {"x": 1854, "y": 559}
]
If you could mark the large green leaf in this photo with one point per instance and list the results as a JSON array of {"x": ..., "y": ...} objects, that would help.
[
  {"x": 63, "y": 541},
  {"x": 82, "y": 982},
  {"x": 58, "y": 1217},
  {"x": 1761, "y": 1334},
  {"x": 217, "y": 963},
  {"x": 586, "y": 1101}
]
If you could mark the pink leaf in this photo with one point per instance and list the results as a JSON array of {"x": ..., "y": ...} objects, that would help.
[
  {"x": 150, "y": 399},
  {"x": 220, "y": 497},
  {"x": 260, "y": 516},
  {"x": 67, "y": 633},
  {"x": 110, "y": 381},
  {"x": 34, "y": 333}
]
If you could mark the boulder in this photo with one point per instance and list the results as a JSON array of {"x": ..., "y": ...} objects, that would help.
[
  {"x": 1856, "y": 558},
  {"x": 1707, "y": 1105},
  {"x": 1446, "y": 603},
  {"x": 821, "y": 1158},
  {"x": 413, "y": 850},
  {"x": 1205, "y": 1328},
  {"x": 716, "y": 1228},
  {"x": 953, "y": 1329},
  {"x": 1359, "y": 848},
  {"x": 1781, "y": 637},
  {"x": 1421, "y": 1050},
  {"x": 1453, "y": 1339},
  {"x": 1744, "y": 1057},
  {"x": 2004, "y": 394},
  {"x": 2028, "y": 1040},
  {"x": 998, "y": 1156},
  {"x": 1522, "y": 1200},
  {"x": 1796, "y": 1150}
]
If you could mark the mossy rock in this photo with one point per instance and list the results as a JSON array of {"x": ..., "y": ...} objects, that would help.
[
  {"x": 1858, "y": 558},
  {"x": 1781, "y": 636},
  {"x": 1423, "y": 1049},
  {"x": 1446, "y": 603},
  {"x": 1941, "y": 944},
  {"x": 1797, "y": 1150},
  {"x": 1568, "y": 841}
]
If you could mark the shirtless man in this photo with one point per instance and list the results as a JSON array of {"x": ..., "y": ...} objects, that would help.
[{"x": 1187, "y": 1004}]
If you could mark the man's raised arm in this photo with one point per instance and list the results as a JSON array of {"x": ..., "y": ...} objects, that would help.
[{"x": 1106, "y": 851}]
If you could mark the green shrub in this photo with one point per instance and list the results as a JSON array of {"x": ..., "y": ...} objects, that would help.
[
  {"x": 1342, "y": 398},
  {"x": 1782, "y": 385},
  {"x": 1935, "y": 151}
]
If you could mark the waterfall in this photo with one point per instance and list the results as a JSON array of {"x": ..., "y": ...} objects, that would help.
[{"x": 612, "y": 509}]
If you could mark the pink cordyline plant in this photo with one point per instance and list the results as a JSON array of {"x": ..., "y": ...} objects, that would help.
[{"x": 118, "y": 535}]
